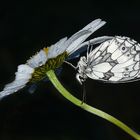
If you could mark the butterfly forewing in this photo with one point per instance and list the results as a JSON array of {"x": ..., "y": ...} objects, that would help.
[{"x": 116, "y": 60}]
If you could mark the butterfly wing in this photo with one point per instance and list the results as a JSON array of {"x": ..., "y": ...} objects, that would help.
[{"x": 116, "y": 61}]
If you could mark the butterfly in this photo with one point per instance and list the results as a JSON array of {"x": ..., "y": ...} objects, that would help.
[
  {"x": 116, "y": 60},
  {"x": 51, "y": 58}
]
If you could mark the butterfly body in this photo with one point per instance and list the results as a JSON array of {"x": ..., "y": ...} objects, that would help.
[{"x": 116, "y": 60}]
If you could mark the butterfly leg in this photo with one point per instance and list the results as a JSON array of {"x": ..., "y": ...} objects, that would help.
[
  {"x": 75, "y": 67},
  {"x": 84, "y": 93}
]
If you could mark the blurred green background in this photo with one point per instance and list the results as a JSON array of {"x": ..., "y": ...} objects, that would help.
[{"x": 28, "y": 26}]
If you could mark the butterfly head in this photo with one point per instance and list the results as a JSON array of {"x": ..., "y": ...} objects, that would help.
[{"x": 80, "y": 78}]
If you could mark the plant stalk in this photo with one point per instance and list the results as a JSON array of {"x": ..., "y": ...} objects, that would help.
[{"x": 89, "y": 108}]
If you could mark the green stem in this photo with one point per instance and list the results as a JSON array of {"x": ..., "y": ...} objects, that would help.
[{"x": 89, "y": 108}]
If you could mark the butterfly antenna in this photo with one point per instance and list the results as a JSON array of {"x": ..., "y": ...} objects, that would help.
[
  {"x": 88, "y": 49},
  {"x": 91, "y": 46}
]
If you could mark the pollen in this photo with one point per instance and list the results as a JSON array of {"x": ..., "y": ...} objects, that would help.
[{"x": 46, "y": 50}]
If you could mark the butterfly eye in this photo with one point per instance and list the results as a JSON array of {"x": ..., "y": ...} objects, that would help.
[{"x": 81, "y": 78}]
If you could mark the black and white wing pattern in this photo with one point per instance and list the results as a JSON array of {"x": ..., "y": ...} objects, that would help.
[{"x": 116, "y": 61}]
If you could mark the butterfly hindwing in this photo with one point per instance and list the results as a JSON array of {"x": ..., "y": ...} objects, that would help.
[{"x": 116, "y": 60}]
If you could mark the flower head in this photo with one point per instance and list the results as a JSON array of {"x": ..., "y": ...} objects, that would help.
[{"x": 49, "y": 58}]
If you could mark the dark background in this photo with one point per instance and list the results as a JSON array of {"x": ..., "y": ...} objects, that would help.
[{"x": 25, "y": 28}]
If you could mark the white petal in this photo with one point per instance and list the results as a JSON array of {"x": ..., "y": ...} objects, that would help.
[
  {"x": 57, "y": 48},
  {"x": 79, "y": 37},
  {"x": 23, "y": 68},
  {"x": 7, "y": 92},
  {"x": 37, "y": 60},
  {"x": 23, "y": 76},
  {"x": 15, "y": 84}
]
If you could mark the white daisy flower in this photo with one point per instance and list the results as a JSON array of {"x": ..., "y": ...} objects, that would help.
[{"x": 50, "y": 58}]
